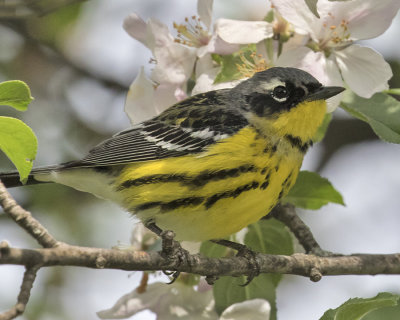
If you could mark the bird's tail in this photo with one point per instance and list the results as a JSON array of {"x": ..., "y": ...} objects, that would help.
[{"x": 12, "y": 179}]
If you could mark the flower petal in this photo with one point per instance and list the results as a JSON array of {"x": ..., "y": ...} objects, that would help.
[
  {"x": 364, "y": 70},
  {"x": 366, "y": 18},
  {"x": 205, "y": 82},
  {"x": 134, "y": 302},
  {"x": 218, "y": 46},
  {"x": 142, "y": 238},
  {"x": 167, "y": 95},
  {"x": 204, "y": 9},
  {"x": 157, "y": 35},
  {"x": 136, "y": 27},
  {"x": 175, "y": 63},
  {"x": 243, "y": 32},
  {"x": 139, "y": 103},
  {"x": 169, "y": 302},
  {"x": 256, "y": 309},
  {"x": 298, "y": 14}
]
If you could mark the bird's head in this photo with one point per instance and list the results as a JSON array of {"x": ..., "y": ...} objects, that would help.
[{"x": 289, "y": 100}]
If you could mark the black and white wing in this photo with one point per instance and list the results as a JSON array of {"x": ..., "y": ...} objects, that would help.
[{"x": 186, "y": 128}]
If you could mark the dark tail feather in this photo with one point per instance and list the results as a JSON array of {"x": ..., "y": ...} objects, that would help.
[{"x": 11, "y": 179}]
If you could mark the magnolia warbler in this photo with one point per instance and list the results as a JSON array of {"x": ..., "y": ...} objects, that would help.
[{"x": 209, "y": 165}]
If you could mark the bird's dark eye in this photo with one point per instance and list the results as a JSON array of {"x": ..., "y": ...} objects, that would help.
[{"x": 280, "y": 93}]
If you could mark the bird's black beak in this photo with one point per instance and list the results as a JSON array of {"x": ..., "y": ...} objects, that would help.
[{"x": 323, "y": 93}]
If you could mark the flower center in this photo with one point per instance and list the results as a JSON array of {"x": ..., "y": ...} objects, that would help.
[
  {"x": 192, "y": 33},
  {"x": 336, "y": 35},
  {"x": 251, "y": 64},
  {"x": 283, "y": 30}
]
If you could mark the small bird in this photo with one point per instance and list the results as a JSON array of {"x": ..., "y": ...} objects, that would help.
[{"x": 209, "y": 165}]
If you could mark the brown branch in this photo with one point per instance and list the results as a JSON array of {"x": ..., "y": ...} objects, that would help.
[
  {"x": 24, "y": 294},
  {"x": 25, "y": 220},
  {"x": 287, "y": 214},
  {"x": 298, "y": 264},
  {"x": 55, "y": 253}
]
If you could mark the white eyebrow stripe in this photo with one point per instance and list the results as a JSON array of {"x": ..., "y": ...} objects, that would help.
[{"x": 268, "y": 86}]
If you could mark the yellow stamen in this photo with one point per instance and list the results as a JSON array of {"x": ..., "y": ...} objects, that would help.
[
  {"x": 192, "y": 33},
  {"x": 251, "y": 64}
]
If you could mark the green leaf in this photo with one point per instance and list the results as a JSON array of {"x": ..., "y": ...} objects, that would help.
[
  {"x": 381, "y": 111},
  {"x": 212, "y": 250},
  {"x": 229, "y": 64},
  {"x": 323, "y": 128},
  {"x": 357, "y": 308},
  {"x": 228, "y": 290},
  {"x": 16, "y": 94},
  {"x": 312, "y": 5},
  {"x": 267, "y": 236},
  {"x": 311, "y": 191},
  {"x": 387, "y": 313},
  {"x": 19, "y": 143},
  {"x": 270, "y": 236}
]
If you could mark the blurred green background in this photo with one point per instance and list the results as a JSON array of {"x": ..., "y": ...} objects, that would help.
[{"x": 79, "y": 63}]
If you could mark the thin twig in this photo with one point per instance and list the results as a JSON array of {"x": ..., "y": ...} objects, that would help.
[
  {"x": 24, "y": 294},
  {"x": 287, "y": 214},
  {"x": 25, "y": 220}
]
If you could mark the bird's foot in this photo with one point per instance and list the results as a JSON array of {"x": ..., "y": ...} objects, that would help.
[
  {"x": 245, "y": 252},
  {"x": 171, "y": 250}
]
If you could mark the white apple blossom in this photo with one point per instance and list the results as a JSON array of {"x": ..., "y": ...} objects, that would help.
[
  {"x": 226, "y": 36},
  {"x": 174, "y": 62},
  {"x": 176, "y": 58},
  {"x": 330, "y": 54},
  {"x": 174, "y": 66},
  {"x": 256, "y": 309},
  {"x": 183, "y": 301},
  {"x": 177, "y": 300},
  {"x": 146, "y": 99}
]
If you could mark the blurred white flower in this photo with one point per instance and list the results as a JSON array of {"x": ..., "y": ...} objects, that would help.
[
  {"x": 142, "y": 238},
  {"x": 226, "y": 36},
  {"x": 169, "y": 302},
  {"x": 176, "y": 59},
  {"x": 205, "y": 81},
  {"x": 183, "y": 301},
  {"x": 256, "y": 309},
  {"x": 174, "y": 62},
  {"x": 146, "y": 99},
  {"x": 331, "y": 55}
]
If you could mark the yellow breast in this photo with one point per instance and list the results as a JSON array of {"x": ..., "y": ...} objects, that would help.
[{"x": 212, "y": 195}]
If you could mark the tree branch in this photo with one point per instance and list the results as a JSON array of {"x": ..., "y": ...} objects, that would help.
[
  {"x": 298, "y": 264},
  {"x": 24, "y": 294},
  {"x": 56, "y": 253},
  {"x": 287, "y": 214},
  {"x": 25, "y": 220}
]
